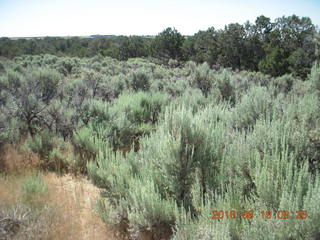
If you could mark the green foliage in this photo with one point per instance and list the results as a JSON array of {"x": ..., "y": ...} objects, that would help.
[
  {"x": 140, "y": 107},
  {"x": 41, "y": 143},
  {"x": 2, "y": 69},
  {"x": 30, "y": 93},
  {"x": 176, "y": 86},
  {"x": 110, "y": 172},
  {"x": 223, "y": 83},
  {"x": 203, "y": 78},
  {"x": 140, "y": 81},
  {"x": 253, "y": 106},
  {"x": 168, "y": 145},
  {"x": 50, "y": 149},
  {"x": 96, "y": 111},
  {"x": 148, "y": 209},
  {"x": 87, "y": 142},
  {"x": 9, "y": 131},
  {"x": 33, "y": 186},
  {"x": 113, "y": 88},
  {"x": 274, "y": 63},
  {"x": 288, "y": 45},
  {"x": 284, "y": 83},
  {"x": 300, "y": 196},
  {"x": 315, "y": 78},
  {"x": 168, "y": 44},
  {"x": 304, "y": 111},
  {"x": 195, "y": 99},
  {"x": 203, "y": 227},
  {"x": 231, "y": 42}
]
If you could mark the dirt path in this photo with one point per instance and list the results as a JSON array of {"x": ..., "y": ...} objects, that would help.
[{"x": 75, "y": 198}]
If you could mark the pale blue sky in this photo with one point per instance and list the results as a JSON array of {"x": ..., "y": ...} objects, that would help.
[{"x": 138, "y": 17}]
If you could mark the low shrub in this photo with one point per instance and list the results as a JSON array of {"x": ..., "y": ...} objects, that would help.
[
  {"x": 34, "y": 186},
  {"x": 140, "y": 80},
  {"x": 203, "y": 78},
  {"x": 257, "y": 104}
]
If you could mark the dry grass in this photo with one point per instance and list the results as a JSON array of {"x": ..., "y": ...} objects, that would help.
[
  {"x": 13, "y": 159},
  {"x": 74, "y": 198},
  {"x": 35, "y": 221},
  {"x": 65, "y": 212}
]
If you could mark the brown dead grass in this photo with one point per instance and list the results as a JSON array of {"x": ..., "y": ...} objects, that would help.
[
  {"x": 70, "y": 200},
  {"x": 13, "y": 159},
  {"x": 9, "y": 189},
  {"x": 74, "y": 199}
]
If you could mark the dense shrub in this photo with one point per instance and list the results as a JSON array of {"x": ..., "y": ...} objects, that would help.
[
  {"x": 140, "y": 80},
  {"x": 9, "y": 131},
  {"x": 253, "y": 106},
  {"x": 203, "y": 78},
  {"x": 113, "y": 87},
  {"x": 168, "y": 145},
  {"x": 140, "y": 107},
  {"x": 223, "y": 83},
  {"x": 50, "y": 149},
  {"x": 284, "y": 83},
  {"x": 87, "y": 142},
  {"x": 30, "y": 94},
  {"x": 315, "y": 78}
]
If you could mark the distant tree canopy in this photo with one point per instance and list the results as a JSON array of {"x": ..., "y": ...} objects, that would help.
[
  {"x": 168, "y": 44},
  {"x": 287, "y": 45}
]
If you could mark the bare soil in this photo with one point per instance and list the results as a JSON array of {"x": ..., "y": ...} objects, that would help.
[
  {"x": 75, "y": 199},
  {"x": 71, "y": 199}
]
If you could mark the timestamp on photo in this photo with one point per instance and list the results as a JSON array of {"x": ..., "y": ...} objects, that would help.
[{"x": 265, "y": 214}]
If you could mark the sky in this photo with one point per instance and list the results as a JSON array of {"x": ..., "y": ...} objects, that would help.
[{"x": 34, "y": 18}]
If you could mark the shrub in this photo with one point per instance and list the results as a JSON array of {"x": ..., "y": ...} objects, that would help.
[
  {"x": 10, "y": 132},
  {"x": 50, "y": 149},
  {"x": 300, "y": 192},
  {"x": 32, "y": 92},
  {"x": 140, "y": 107},
  {"x": 87, "y": 143},
  {"x": 47, "y": 80},
  {"x": 148, "y": 210},
  {"x": 41, "y": 143},
  {"x": 315, "y": 78},
  {"x": 113, "y": 87},
  {"x": 149, "y": 196},
  {"x": 253, "y": 106},
  {"x": 111, "y": 173},
  {"x": 284, "y": 83},
  {"x": 192, "y": 98},
  {"x": 176, "y": 86},
  {"x": 186, "y": 145},
  {"x": 96, "y": 111},
  {"x": 203, "y": 78},
  {"x": 160, "y": 73},
  {"x": 223, "y": 83},
  {"x": 203, "y": 140},
  {"x": 140, "y": 80},
  {"x": 173, "y": 63},
  {"x": 2, "y": 69},
  {"x": 93, "y": 81},
  {"x": 63, "y": 120}
]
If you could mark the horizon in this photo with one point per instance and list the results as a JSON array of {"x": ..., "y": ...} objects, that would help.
[{"x": 38, "y": 19}]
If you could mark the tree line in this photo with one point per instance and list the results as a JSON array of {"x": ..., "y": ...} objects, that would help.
[{"x": 286, "y": 45}]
